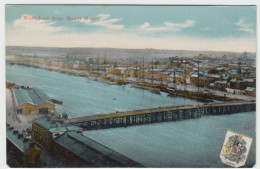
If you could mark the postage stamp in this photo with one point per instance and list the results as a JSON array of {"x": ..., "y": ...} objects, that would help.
[{"x": 235, "y": 149}]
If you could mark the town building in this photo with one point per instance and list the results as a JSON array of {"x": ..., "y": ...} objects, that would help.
[
  {"x": 176, "y": 78},
  {"x": 221, "y": 85},
  {"x": 201, "y": 81},
  {"x": 251, "y": 82},
  {"x": 45, "y": 130},
  {"x": 250, "y": 91},
  {"x": 21, "y": 151},
  {"x": 238, "y": 84}
]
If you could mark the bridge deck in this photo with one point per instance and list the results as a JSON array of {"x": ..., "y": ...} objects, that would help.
[{"x": 153, "y": 110}]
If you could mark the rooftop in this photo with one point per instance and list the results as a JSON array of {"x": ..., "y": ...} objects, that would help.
[
  {"x": 93, "y": 152},
  {"x": 34, "y": 96},
  {"x": 22, "y": 96},
  {"x": 15, "y": 138},
  {"x": 56, "y": 126},
  {"x": 213, "y": 76},
  {"x": 249, "y": 79},
  {"x": 250, "y": 89},
  {"x": 223, "y": 82},
  {"x": 46, "y": 122}
]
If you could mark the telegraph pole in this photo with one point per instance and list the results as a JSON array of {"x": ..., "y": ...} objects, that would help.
[
  {"x": 152, "y": 71},
  {"x": 98, "y": 61},
  {"x": 185, "y": 75},
  {"x": 143, "y": 68},
  {"x": 92, "y": 64},
  {"x": 136, "y": 75},
  {"x": 174, "y": 77},
  {"x": 198, "y": 74}
]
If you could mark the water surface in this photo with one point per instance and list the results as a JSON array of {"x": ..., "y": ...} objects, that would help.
[
  {"x": 83, "y": 96},
  {"x": 188, "y": 143}
]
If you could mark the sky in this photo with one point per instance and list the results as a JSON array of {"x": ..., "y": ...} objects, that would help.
[{"x": 211, "y": 28}]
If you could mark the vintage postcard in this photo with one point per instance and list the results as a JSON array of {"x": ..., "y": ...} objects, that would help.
[{"x": 154, "y": 86}]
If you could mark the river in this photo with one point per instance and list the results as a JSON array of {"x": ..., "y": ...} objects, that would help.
[
  {"x": 188, "y": 143},
  {"x": 83, "y": 96}
]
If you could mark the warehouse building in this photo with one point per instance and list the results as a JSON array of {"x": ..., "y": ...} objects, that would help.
[
  {"x": 45, "y": 130},
  {"x": 86, "y": 152},
  {"x": 32, "y": 101},
  {"x": 66, "y": 141}
]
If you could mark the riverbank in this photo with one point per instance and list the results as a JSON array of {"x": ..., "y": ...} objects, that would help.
[{"x": 204, "y": 97}]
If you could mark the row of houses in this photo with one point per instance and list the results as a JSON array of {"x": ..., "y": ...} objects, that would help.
[
  {"x": 217, "y": 74},
  {"x": 180, "y": 75}
]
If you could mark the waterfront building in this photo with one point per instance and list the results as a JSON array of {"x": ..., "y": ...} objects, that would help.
[
  {"x": 234, "y": 91},
  {"x": 66, "y": 141},
  {"x": 213, "y": 77},
  {"x": 221, "y": 85},
  {"x": 177, "y": 78},
  {"x": 250, "y": 91},
  {"x": 251, "y": 82},
  {"x": 238, "y": 84},
  {"x": 45, "y": 130},
  {"x": 68, "y": 65},
  {"x": 85, "y": 152},
  {"x": 32, "y": 101},
  {"x": 201, "y": 81}
]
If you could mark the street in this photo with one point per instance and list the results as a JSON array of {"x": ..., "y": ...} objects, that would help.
[{"x": 11, "y": 116}]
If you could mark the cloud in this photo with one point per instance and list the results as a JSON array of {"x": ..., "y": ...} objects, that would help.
[
  {"x": 105, "y": 22},
  {"x": 43, "y": 33},
  {"x": 58, "y": 12},
  {"x": 131, "y": 41},
  {"x": 103, "y": 16},
  {"x": 33, "y": 30},
  {"x": 244, "y": 27},
  {"x": 28, "y": 23},
  {"x": 206, "y": 29},
  {"x": 168, "y": 26}
]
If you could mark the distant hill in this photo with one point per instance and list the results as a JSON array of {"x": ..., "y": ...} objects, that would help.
[{"x": 114, "y": 53}]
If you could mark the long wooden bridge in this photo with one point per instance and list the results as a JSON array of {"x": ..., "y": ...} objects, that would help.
[{"x": 161, "y": 114}]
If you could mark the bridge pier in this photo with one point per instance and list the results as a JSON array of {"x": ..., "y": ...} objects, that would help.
[
  {"x": 178, "y": 115},
  {"x": 127, "y": 120},
  {"x": 169, "y": 115}
]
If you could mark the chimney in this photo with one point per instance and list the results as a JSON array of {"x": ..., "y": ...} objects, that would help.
[
  {"x": 11, "y": 128},
  {"x": 20, "y": 135},
  {"x": 25, "y": 140},
  {"x": 31, "y": 144}
]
